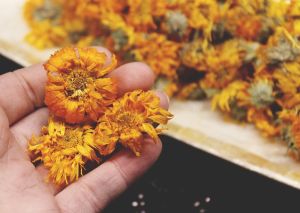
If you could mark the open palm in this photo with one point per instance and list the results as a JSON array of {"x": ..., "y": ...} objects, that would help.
[{"x": 22, "y": 113}]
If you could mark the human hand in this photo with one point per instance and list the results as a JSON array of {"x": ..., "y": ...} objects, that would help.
[{"x": 22, "y": 114}]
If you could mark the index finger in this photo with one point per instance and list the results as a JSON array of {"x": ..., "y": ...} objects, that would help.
[{"x": 22, "y": 91}]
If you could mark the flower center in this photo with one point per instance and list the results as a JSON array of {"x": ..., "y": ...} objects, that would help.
[
  {"x": 71, "y": 139},
  {"x": 127, "y": 119},
  {"x": 47, "y": 11},
  {"x": 76, "y": 84}
]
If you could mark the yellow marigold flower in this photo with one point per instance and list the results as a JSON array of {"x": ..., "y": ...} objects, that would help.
[
  {"x": 282, "y": 47},
  {"x": 86, "y": 41},
  {"x": 45, "y": 35},
  {"x": 254, "y": 6},
  {"x": 36, "y": 11},
  {"x": 291, "y": 134},
  {"x": 288, "y": 78},
  {"x": 193, "y": 54},
  {"x": 76, "y": 29},
  {"x": 261, "y": 93},
  {"x": 171, "y": 89},
  {"x": 140, "y": 15},
  {"x": 234, "y": 91},
  {"x": 277, "y": 10},
  {"x": 113, "y": 21},
  {"x": 159, "y": 53},
  {"x": 294, "y": 9},
  {"x": 123, "y": 35},
  {"x": 191, "y": 91},
  {"x": 222, "y": 64},
  {"x": 129, "y": 118},
  {"x": 159, "y": 7},
  {"x": 263, "y": 120},
  {"x": 94, "y": 9},
  {"x": 296, "y": 132},
  {"x": 249, "y": 27},
  {"x": 232, "y": 18},
  {"x": 176, "y": 24},
  {"x": 29, "y": 8},
  {"x": 176, "y": 3},
  {"x": 289, "y": 115},
  {"x": 201, "y": 15},
  {"x": 225, "y": 56},
  {"x": 77, "y": 89},
  {"x": 64, "y": 150},
  {"x": 294, "y": 27}
]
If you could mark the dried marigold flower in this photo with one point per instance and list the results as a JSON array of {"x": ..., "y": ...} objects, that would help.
[
  {"x": 295, "y": 130},
  {"x": 140, "y": 14},
  {"x": 135, "y": 114},
  {"x": 290, "y": 130},
  {"x": 290, "y": 133},
  {"x": 64, "y": 150},
  {"x": 233, "y": 92},
  {"x": 192, "y": 54},
  {"x": 282, "y": 47},
  {"x": 176, "y": 23},
  {"x": 44, "y": 35},
  {"x": 77, "y": 89},
  {"x": 122, "y": 35},
  {"x": 263, "y": 119},
  {"x": 36, "y": 11},
  {"x": 191, "y": 91},
  {"x": 261, "y": 93},
  {"x": 92, "y": 10},
  {"x": 249, "y": 27},
  {"x": 289, "y": 115},
  {"x": 294, "y": 9},
  {"x": 288, "y": 83},
  {"x": 201, "y": 15},
  {"x": 160, "y": 53},
  {"x": 222, "y": 64}
]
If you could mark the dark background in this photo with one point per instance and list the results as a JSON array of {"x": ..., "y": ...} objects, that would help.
[{"x": 185, "y": 179}]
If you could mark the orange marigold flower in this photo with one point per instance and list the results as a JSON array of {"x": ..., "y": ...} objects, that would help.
[
  {"x": 77, "y": 89},
  {"x": 201, "y": 15},
  {"x": 130, "y": 117},
  {"x": 161, "y": 54},
  {"x": 294, "y": 9},
  {"x": 94, "y": 9},
  {"x": 236, "y": 91},
  {"x": 140, "y": 15},
  {"x": 36, "y": 11},
  {"x": 263, "y": 119},
  {"x": 190, "y": 91},
  {"x": 249, "y": 27},
  {"x": 222, "y": 64},
  {"x": 289, "y": 115},
  {"x": 193, "y": 54},
  {"x": 64, "y": 150},
  {"x": 44, "y": 35},
  {"x": 296, "y": 132},
  {"x": 288, "y": 81}
]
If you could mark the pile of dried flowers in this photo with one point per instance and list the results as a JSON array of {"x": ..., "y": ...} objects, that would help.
[
  {"x": 243, "y": 54},
  {"x": 88, "y": 120}
]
